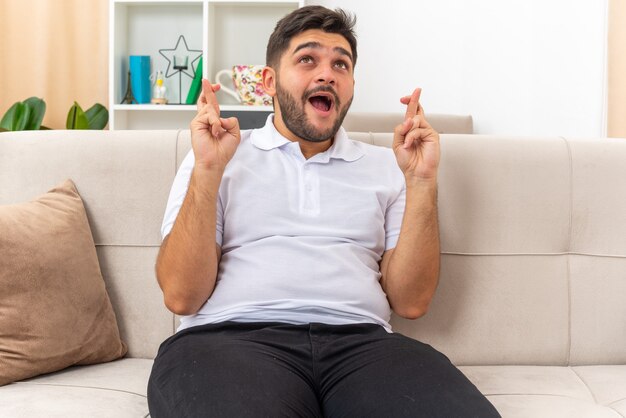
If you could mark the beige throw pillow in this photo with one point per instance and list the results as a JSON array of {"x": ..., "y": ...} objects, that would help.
[{"x": 54, "y": 308}]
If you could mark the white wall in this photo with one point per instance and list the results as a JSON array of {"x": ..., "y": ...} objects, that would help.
[{"x": 522, "y": 67}]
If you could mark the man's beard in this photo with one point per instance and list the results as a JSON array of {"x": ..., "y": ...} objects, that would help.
[{"x": 296, "y": 120}]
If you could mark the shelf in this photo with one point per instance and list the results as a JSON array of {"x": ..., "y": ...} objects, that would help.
[
  {"x": 240, "y": 108},
  {"x": 255, "y": 2},
  {"x": 192, "y": 108},
  {"x": 152, "y": 107},
  {"x": 229, "y": 46},
  {"x": 156, "y": 2},
  {"x": 229, "y": 32}
]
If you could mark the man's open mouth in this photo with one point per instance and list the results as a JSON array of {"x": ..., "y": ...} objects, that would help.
[{"x": 323, "y": 101}]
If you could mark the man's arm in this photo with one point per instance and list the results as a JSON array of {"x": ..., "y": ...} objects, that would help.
[
  {"x": 410, "y": 271},
  {"x": 188, "y": 260}
]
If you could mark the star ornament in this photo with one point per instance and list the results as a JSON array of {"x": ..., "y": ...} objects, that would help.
[{"x": 180, "y": 50}]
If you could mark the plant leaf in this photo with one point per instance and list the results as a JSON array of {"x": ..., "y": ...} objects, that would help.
[
  {"x": 7, "y": 119},
  {"x": 97, "y": 116},
  {"x": 37, "y": 110},
  {"x": 23, "y": 114},
  {"x": 76, "y": 118},
  {"x": 16, "y": 117}
]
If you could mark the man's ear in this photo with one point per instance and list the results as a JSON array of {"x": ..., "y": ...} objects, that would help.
[{"x": 269, "y": 81}]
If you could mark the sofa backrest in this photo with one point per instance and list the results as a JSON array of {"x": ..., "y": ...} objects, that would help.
[
  {"x": 533, "y": 235},
  {"x": 123, "y": 178},
  {"x": 386, "y": 122}
]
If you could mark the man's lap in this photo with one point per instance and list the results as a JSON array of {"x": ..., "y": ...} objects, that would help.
[{"x": 235, "y": 369}]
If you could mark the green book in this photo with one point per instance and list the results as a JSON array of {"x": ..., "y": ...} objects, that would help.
[{"x": 196, "y": 85}]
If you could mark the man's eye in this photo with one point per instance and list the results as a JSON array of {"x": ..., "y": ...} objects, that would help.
[
  {"x": 306, "y": 60},
  {"x": 342, "y": 64}
]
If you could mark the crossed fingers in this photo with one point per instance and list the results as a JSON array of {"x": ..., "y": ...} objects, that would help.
[
  {"x": 415, "y": 124},
  {"x": 208, "y": 107},
  {"x": 207, "y": 95}
]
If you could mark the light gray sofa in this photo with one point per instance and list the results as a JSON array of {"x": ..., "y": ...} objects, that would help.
[{"x": 532, "y": 299}]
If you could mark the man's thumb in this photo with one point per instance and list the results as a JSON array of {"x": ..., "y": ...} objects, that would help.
[{"x": 230, "y": 124}]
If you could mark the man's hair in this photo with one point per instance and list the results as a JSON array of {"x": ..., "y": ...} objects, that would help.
[{"x": 306, "y": 18}]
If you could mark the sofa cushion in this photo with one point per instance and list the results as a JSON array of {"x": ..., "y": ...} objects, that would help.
[
  {"x": 548, "y": 391},
  {"x": 607, "y": 383},
  {"x": 54, "y": 308},
  {"x": 116, "y": 390}
]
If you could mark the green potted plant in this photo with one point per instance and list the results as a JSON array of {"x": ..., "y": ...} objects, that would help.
[{"x": 28, "y": 115}]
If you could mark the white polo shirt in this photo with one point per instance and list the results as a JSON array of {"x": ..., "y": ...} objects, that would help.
[{"x": 301, "y": 239}]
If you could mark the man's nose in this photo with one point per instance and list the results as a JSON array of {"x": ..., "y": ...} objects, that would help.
[{"x": 326, "y": 75}]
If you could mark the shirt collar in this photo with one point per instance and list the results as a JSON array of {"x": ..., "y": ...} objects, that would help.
[{"x": 268, "y": 138}]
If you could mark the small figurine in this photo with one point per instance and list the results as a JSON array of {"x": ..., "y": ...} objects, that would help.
[
  {"x": 129, "y": 97},
  {"x": 159, "y": 90}
]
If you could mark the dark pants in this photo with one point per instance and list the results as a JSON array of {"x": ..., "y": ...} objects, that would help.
[{"x": 280, "y": 370}]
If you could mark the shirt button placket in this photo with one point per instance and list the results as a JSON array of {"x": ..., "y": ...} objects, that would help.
[
  {"x": 308, "y": 187},
  {"x": 307, "y": 178}
]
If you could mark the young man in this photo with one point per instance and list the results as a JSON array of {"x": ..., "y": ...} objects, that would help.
[{"x": 286, "y": 248}]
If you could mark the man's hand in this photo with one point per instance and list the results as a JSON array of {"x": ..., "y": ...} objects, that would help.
[
  {"x": 415, "y": 142},
  {"x": 214, "y": 139}
]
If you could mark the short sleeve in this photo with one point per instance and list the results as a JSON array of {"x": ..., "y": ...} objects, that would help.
[
  {"x": 219, "y": 221},
  {"x": 177, "y": 196},
  {"x": 393, "y": 218}
]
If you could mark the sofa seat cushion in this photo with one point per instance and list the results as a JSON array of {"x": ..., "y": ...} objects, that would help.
[
  {"x": 542, "y": 391},
  {"x": 116, "y": 390}
]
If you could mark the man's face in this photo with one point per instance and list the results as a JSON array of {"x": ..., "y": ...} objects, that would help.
[{"x": 315, "y": 85}]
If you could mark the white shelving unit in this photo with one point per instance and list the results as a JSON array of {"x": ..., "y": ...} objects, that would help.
[{"x": 228, "y": 32}]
